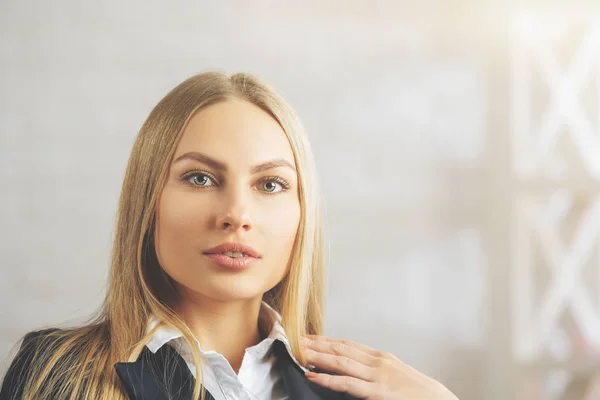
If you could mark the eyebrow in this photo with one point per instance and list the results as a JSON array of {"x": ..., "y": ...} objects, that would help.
[{"x": 211, "y": 162}]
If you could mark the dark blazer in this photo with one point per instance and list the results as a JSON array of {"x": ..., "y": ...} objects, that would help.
[{"x": 164, "y": 375}]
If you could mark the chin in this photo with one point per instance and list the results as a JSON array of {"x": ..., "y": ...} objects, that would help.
[
  {"x": 233, "y": 291},
  {"x": 238, "y": 287}
]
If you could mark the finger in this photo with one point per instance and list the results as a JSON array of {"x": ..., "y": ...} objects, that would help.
[
  {"x": 344, "y": 384},
  {"x": 339, "y": 364},
  {"x": 340, "y": 349},
  {"x": 369, "y": 350}
]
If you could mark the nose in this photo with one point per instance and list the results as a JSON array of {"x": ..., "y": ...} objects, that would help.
[
  {"x": 234, "y": 215},
  {"x": 234, "y": 221}
]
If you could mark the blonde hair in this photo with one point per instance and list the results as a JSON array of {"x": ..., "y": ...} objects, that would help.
[{"x": 79, "y": 362}]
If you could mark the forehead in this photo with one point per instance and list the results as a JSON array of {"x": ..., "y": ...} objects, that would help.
[{"x": 235, "y": 132}]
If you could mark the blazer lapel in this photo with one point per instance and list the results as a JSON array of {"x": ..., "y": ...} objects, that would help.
[
  {"x": 163, "y": 375},
  {"x": 297, "y": 385}
]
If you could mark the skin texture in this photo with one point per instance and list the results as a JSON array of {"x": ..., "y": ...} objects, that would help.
[
  {"x": 204, "y": 204},
  {"x": 366, "y": 373}
]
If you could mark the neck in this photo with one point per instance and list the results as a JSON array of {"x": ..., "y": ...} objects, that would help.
[{"x": 227, "y": 327}]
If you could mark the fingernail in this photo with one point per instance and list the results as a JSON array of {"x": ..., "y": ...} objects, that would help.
[{"x": 310, "y": 374}]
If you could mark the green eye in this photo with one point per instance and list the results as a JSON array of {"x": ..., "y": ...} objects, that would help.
[
  {"x": 271, "y": 187},
  {"x": 200, "y": 180}
]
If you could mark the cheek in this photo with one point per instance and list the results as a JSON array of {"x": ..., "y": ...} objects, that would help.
[
  {"x": 280, "y": 228},
  {"x": 282, "y": 223},
  {"x": 177, "y": 219}
]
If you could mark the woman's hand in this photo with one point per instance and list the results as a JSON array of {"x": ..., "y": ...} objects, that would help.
[{"x": 366, "y": 373}]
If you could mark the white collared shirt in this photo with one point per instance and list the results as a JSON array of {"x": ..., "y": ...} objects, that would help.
[{"x": 258, "y": 377}]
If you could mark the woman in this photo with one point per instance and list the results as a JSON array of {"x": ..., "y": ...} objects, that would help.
[{"x": 216, "y": 282}]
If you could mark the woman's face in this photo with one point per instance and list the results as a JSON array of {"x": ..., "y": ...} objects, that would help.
[{"x": 232, "y": 181}]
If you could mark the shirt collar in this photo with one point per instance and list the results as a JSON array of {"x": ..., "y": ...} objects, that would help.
[{"x": 269, "y": 319}]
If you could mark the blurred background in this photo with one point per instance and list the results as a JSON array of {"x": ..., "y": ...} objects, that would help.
[{"x": 459, "y": 152}]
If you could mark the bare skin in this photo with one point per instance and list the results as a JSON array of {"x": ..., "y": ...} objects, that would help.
[{"x": 229, "y": 194}]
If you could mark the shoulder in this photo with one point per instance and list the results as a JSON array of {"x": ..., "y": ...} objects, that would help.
[
  {"x": 32, "y": 343},
  {"x": 37, "y": 336}
]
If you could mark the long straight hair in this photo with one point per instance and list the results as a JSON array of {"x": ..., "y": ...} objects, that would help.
[{"x": 79, "y": 362}]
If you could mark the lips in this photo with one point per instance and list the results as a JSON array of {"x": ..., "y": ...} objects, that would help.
[
  {"x": 233, "y": 256},
  {"x": 233, "y": 248}
]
